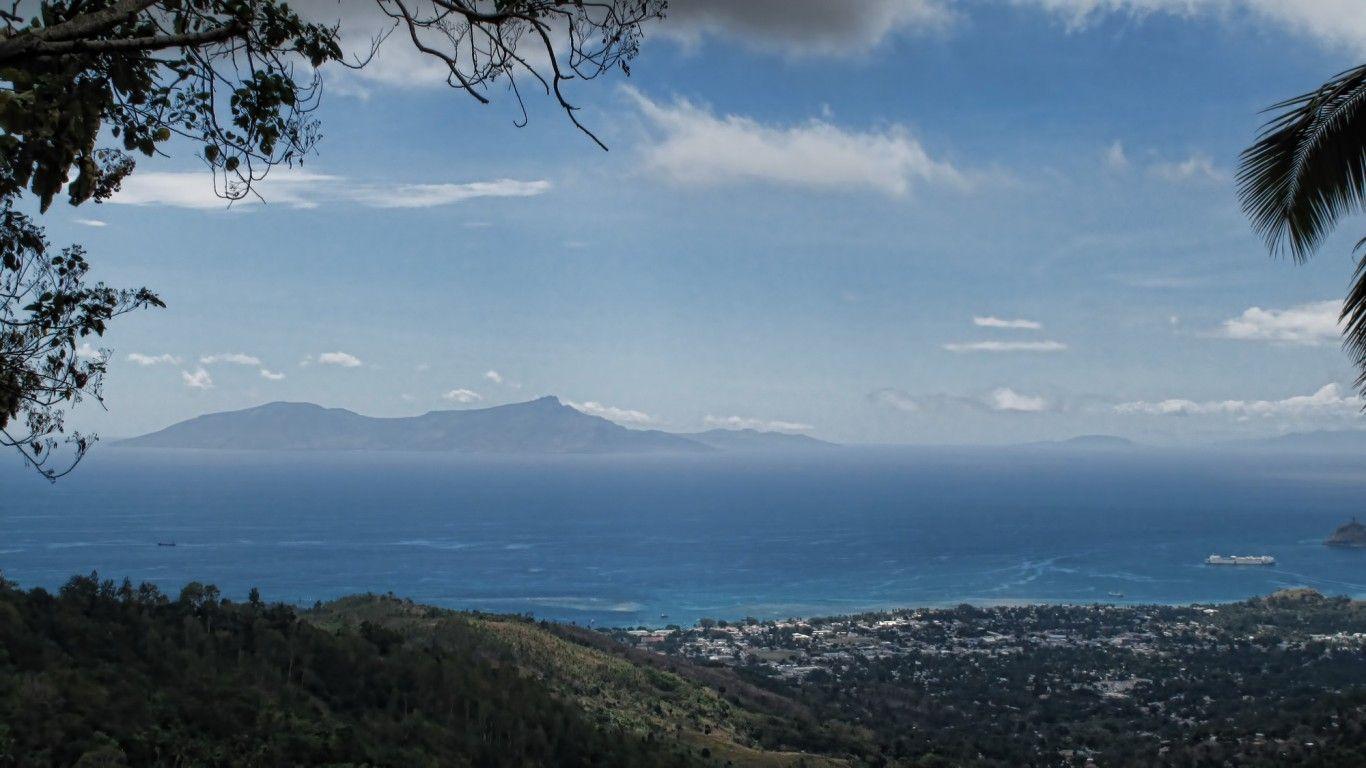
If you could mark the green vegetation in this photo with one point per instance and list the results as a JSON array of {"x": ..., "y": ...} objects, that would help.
[{"x": 105, "y": 674}]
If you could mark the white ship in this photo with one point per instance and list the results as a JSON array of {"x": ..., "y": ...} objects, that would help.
[{"x": 1240, "y": 560}]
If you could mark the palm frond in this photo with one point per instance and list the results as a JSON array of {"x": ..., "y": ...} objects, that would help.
[
  {"x": 1308, "y": 166},
  {"x": 1353, "y": 320}
]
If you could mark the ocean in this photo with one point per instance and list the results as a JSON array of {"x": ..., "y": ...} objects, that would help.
[{"x": 658, "y": 540}]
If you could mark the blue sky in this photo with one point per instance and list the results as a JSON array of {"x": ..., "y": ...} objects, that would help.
[{"x": 915, "y": 221}]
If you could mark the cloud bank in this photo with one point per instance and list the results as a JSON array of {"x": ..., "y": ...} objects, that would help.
[
  {"x": 297, "y": 188},
  {"x": 693, "y": 146},
  {"x": 1310, "y": 324},
  {"x": 612, "y": 413},
  {"x": 991, "y": 321},
  {"x": 339, "y": 359},
  {"x": 200, "y": 379},
  {"x": 146, "y": 360},
  {"x": 462, "y": 396},
  {"x": 1006, "y": 346},
  {"x": 1329, "y": 400},
  {"x": 763, "y": 425}
]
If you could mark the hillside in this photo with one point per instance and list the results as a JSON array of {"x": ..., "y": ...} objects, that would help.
[
  {"x": 110, "y": 675},
  {"x": 540, "y": 426}
]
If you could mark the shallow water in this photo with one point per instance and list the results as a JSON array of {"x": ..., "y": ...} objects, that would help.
[{"x": 633, "y": 540}]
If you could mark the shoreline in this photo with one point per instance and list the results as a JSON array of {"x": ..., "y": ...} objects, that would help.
[{"x": 815, "y": 613}]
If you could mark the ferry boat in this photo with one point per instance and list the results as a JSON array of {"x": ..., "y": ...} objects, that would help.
[{"x": 1240, "y": 560}]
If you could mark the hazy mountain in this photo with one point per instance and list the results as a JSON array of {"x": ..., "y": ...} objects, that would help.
[
  {"x": 754, "y": 440},
  {"x": 539, "y": 426},
  {"x": 1087, "y": 443}
]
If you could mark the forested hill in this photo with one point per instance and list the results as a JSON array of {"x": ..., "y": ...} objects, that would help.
[{"x": 111, "y": 675}]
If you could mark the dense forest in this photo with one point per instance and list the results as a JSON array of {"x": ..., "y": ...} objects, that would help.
[{"x": 106, "y": 674}]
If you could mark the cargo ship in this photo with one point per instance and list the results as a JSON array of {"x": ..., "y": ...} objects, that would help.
[{"x": 1240, "y": 560}]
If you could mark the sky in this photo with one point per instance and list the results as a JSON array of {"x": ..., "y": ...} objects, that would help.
[{"x": 894, "y": 221}]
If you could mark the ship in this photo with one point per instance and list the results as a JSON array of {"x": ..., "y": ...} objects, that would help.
[{"x": 1240, "y": 560}]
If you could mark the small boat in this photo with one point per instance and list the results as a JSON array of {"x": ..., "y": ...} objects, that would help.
[
  {"x": 165, "y": 543},
  {"x": 1240, "y": 560},
  {"x": 1116, "y": 594}
]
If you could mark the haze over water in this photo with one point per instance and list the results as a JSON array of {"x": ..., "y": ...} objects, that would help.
[{"x": 622, "y": 541}]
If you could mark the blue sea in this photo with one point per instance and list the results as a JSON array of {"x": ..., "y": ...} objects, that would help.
[{"x": 632, "y": 541}]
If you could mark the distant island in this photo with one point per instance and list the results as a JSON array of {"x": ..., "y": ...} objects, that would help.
[
  {"x": 541, "y": 426},
  {"x": 1085, "y": 442},
  {"x": 1351, "y": 535}
]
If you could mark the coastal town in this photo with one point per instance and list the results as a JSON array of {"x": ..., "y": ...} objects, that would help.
[{"x": 1280, "y": 677}]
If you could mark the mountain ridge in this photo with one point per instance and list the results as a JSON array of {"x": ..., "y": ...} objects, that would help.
[{"x": 541, "y": 426}]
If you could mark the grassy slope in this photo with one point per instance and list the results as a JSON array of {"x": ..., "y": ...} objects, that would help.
[{"x": 618, "y": 688}]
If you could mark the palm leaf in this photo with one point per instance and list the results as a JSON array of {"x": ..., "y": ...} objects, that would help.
[
  {"x": 1308, "y": 167},
  {"x": 1353, "y": 320}
]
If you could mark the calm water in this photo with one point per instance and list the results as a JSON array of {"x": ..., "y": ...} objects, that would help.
[{"x": 627, "y": 541}]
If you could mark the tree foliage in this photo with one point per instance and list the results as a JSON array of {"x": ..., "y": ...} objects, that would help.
[
  {"x": 116, "y": 674},
  {"x": 47, "y": 314}
]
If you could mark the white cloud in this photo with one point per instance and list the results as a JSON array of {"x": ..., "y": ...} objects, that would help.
[
  {"x": 87, "y": 351},
  {"x": 1197, "y": 167},
  {"x": 1337, "y": 24},
  {"x": 694, "y": 146},
  {"x": 231, "y": 358},
  {"x": 1312, "y": 323},
  {"x": 1329, "y": 400},
  {"x": 1006, "y": 346},
  {"x": 431, "y": 195},
  {"x": 462, "y": 396},
  {"x": 341, "y": 359},
  {"x": 494, "y": 376},
  {"x": 141, "y": 359},
  {"x": 997, "y": 322},
  {"x": 612, "y": 413},
  {"x": 1115, "y": 157},
  {"x": 1007, "y": 399},
  {"x": 271, "y": 375},
  {"x": 200, "y": 379},
  {"x": 1001, "y": 399},
  {"x": 297, "y": 188},
  {"x": 743, "y": 422},
  {"x": 91, "y": 222},
  {"x": 195, "y": 189},
  {"x": 801, "y": 28},
  {"x": 398, "y": 64}
]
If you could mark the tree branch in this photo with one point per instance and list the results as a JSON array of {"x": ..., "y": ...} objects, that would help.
[{"x": 151, "y": 43}]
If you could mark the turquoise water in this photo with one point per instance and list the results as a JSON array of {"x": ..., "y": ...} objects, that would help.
[{"x": 629, "y": 541}]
